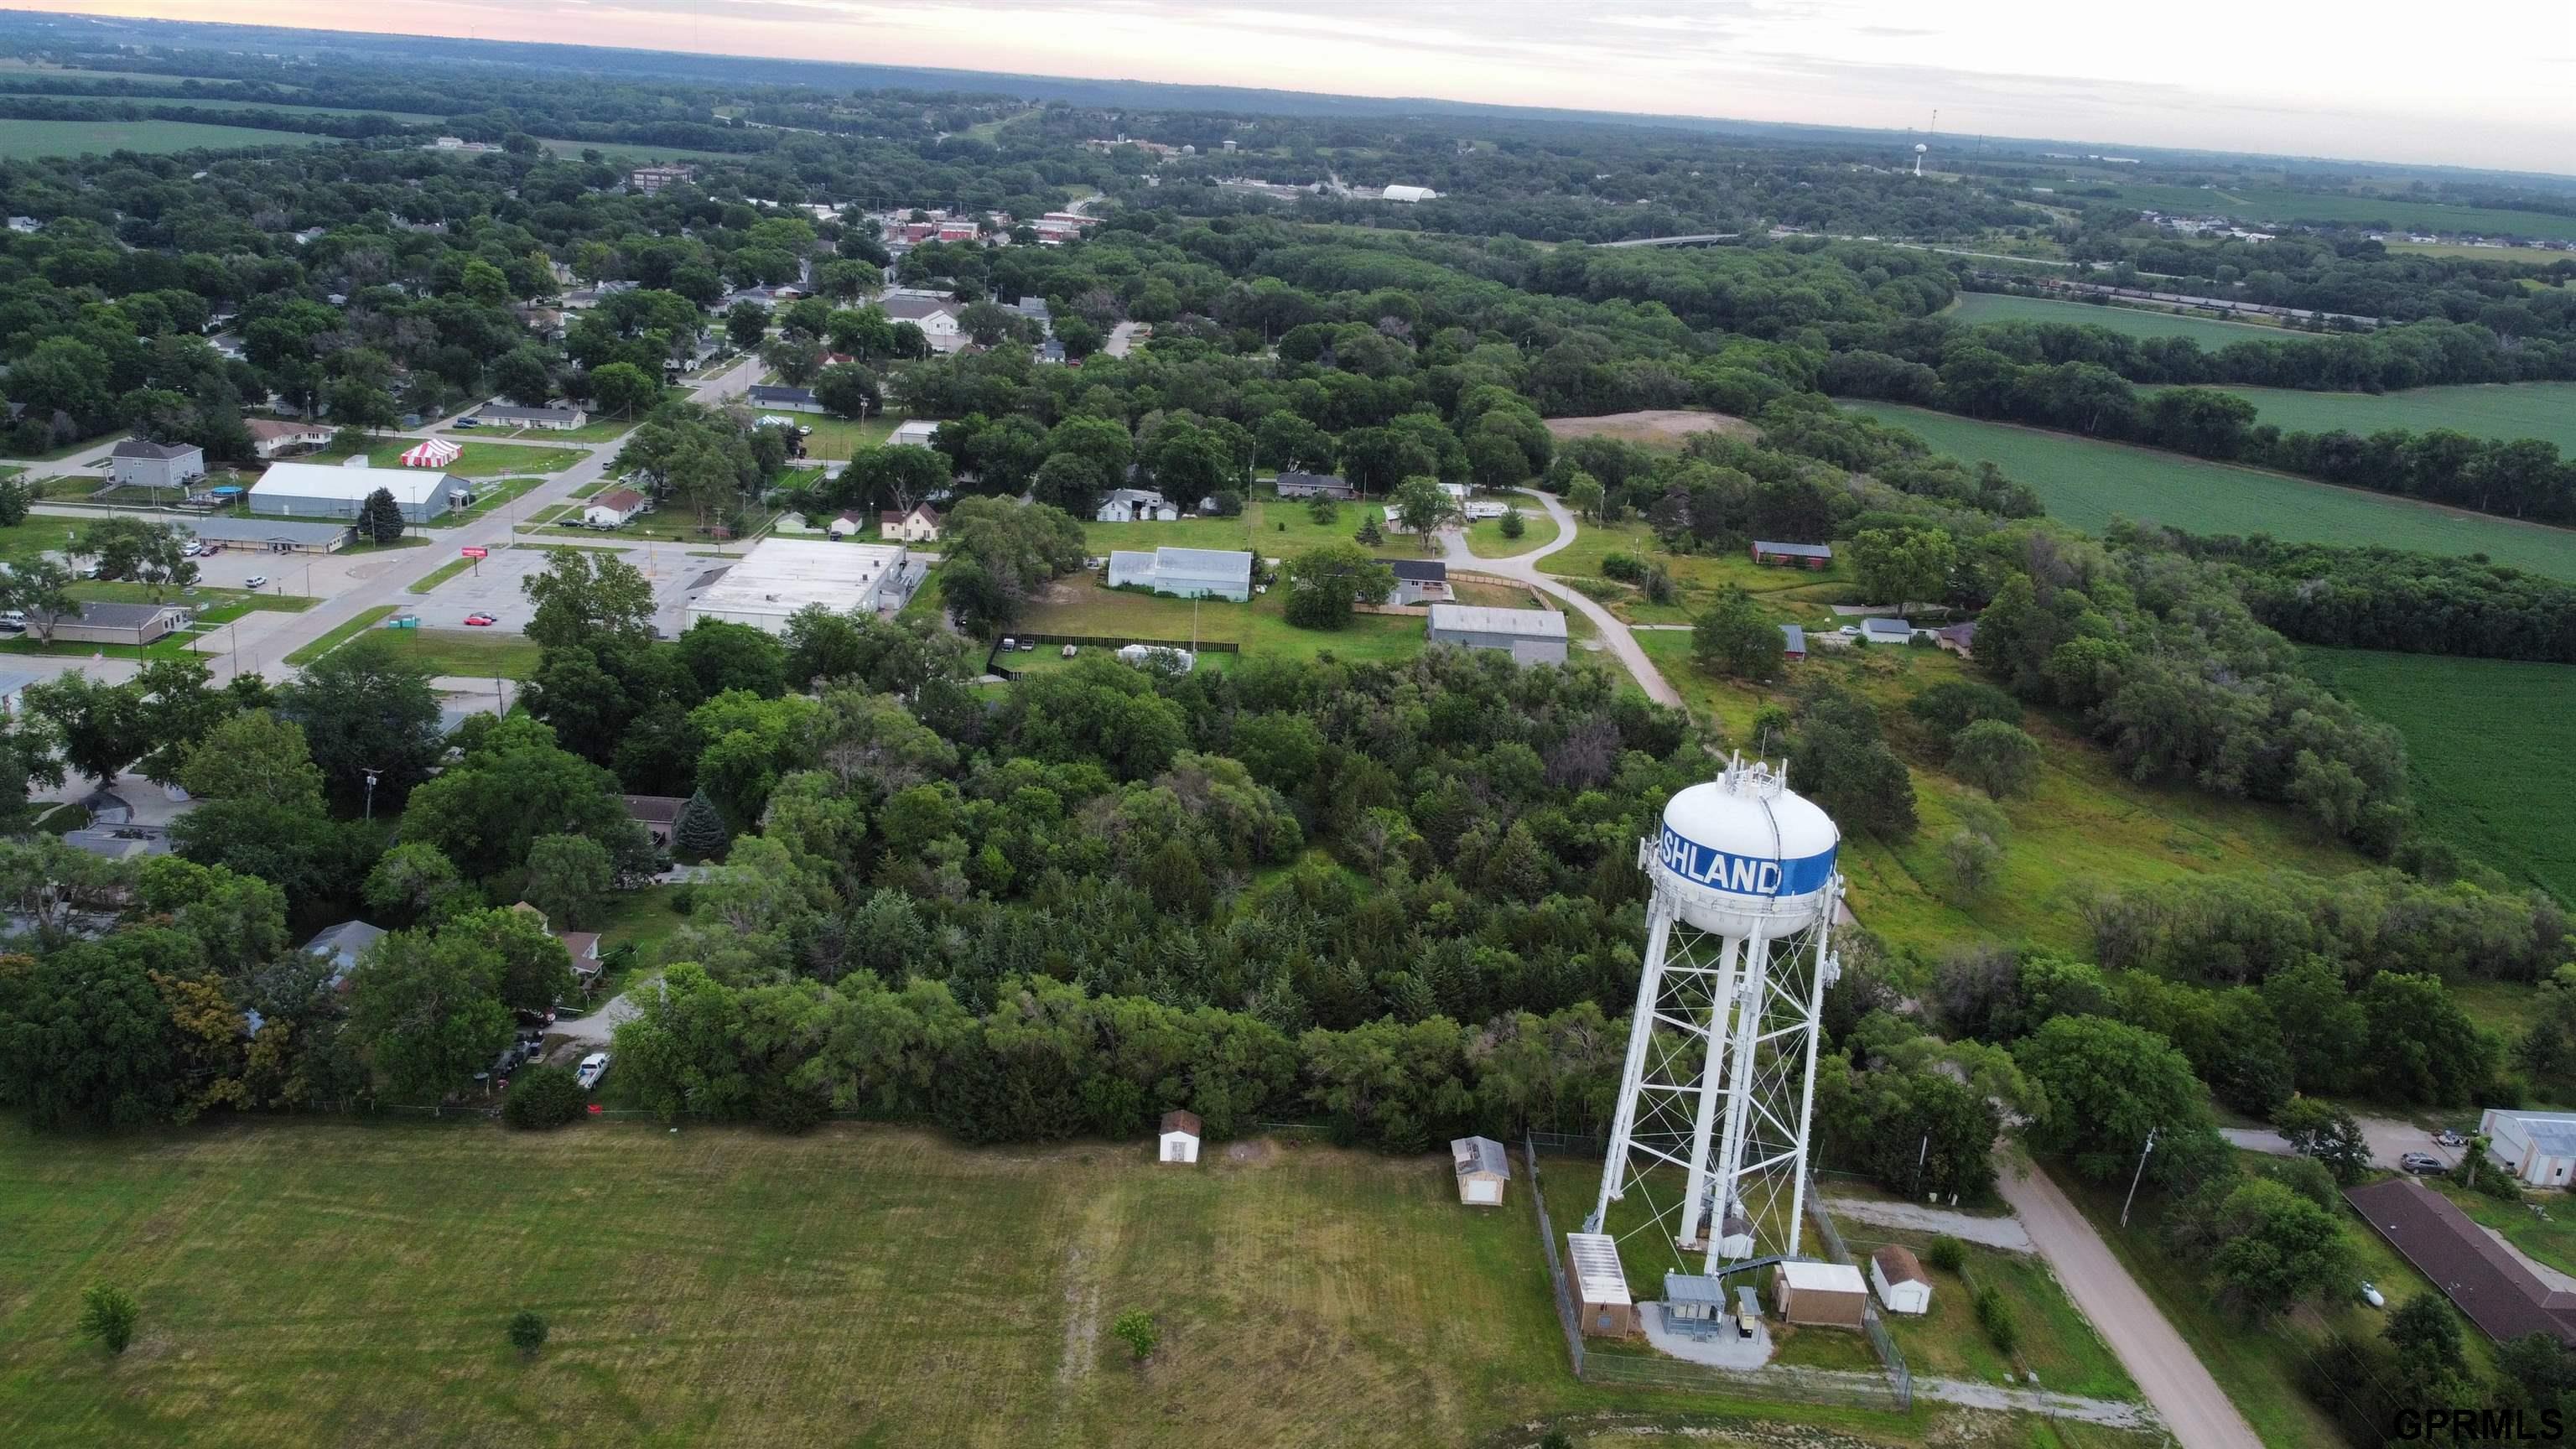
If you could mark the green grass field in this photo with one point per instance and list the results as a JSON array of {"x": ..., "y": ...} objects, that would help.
[
  {"x": 1797, "y": 595},
  {"x": 29, "y": 140},
  {"x": 2210, "y": 332},
  {"x": 2544, "y": 410},
  {"x": 2085, "y": 483},
  {"x": 1485, "y": 536},
  {"x": 624, "y": 153},
  {"x": 2083, "y": 824},
  {"x": 2488, "y": 742},
  {"x": 219, "y": 105},
  {"x": 340, "y": 634},
  {"x": 2058, "y": 1342},
  {"x": 1079, "y": 605},
  {"x": 470, "y": 653},
  {"x": 1268, "y": 527},
  {"x": 478, "y": 460},
  {"x": 329, "y": 1283}
]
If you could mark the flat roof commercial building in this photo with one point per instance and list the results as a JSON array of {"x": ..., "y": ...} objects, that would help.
[
  {"x": 97, "y": 623},
  {"x": 276, "y": 534},
  {"x": 1530, "y": 636},
  {"x": 338, "y": 490},
  {"x": 783, "y": 575}
]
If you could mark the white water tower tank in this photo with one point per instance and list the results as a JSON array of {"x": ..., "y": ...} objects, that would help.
[{"x": 1743, "y": 853}]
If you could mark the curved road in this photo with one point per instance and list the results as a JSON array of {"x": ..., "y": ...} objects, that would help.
[{"x": 1523, "y": 568}]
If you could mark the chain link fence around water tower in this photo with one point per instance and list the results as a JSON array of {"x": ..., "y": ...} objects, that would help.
[{"x": 1600, "y": 1363}]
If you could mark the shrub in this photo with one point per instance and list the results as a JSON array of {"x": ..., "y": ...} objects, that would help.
[
  {"x": 1627, "y": 568},
  {"x": 1994, "y": 1315},
  {"x": 1135, "y": 1328},
  {"x": 1947, "y": 1254},
  {"x": 542, "y": 1097},
  {"x": 527, "y": 1331},
  {"x": 1513, "y": 525},
  {"x": 1952, "y": 707},
  {"x": 107, "y": 1315}
]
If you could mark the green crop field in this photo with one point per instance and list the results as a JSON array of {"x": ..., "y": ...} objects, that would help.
[
  {"x": 2276, "y": 203},
  {"x": 28, "y": 140},
  {"x": 325, "y": 1282},
  {"x": 623, "y": 152},
  {"x": 199, "y": 101},
  {"x": 2545, "y": 410},
  {"x": 2210, "y": 332},
  {"x": 2488, "y": 742},
  {"x": 2084, "y": 483}
]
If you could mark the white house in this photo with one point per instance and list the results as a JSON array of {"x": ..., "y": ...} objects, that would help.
[
  {"x": 921, "y": 525},
  {"x": 935, "y": 316},
  {"x": 135, "y": 463},
  {"x": 1900, "y": 1280},
  {"x": 914, "y": 433},
  {"x": 2540, "y": 1147},
  {"x": 1880, "y": 630},
  {"x": 1180, "y": 1138},
  {"x": 1137, "y": 505},
  {"x": 553, "y": 417},
  {"x": 277, "y": 437},
  {"x": 615, "y": 508},
  {"x": 784, "y": 399},
  {"x": 1483, "y": 1168}
]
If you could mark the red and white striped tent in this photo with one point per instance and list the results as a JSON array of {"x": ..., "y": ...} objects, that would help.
[{"x": 436, "y": 453}]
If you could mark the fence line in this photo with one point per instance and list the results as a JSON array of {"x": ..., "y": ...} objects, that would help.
[
  {"x": 1900, "y": 1379},
  {"x": 1598, "y": 1365}
]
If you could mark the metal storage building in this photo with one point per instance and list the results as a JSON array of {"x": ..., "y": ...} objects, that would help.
[
  {"x": 1483, "y": 1168},
  {"x": 339, "y": 490},
  {"x": 1179, "y": 1141},
  {"x": 1601, "y": 1299},
  {"x": 1530, "y": 636},
  {"x": 2540, "y": 1147},
  {"x": 782, "y": 575},
  {"x": 1187, "y": 573}
]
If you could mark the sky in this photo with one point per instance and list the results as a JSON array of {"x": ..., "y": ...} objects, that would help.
[{"x": 2474, "y": 82}]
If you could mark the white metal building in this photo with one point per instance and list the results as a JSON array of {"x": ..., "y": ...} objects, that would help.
[
  {"x": 2540, "y": 1147},
  {"x": 914, "y": 433},
  {"x": 1530, "y": 636},
  {"x": 339, "y": 490},
  {"x": 1179, "y": 1141},
  {"x": 1483, "y": 1168},
  {"x": 782, "y": 575},
  {"x": 1187, "y": 573}
]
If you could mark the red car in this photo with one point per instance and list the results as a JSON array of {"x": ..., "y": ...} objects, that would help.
[{"x": 480, "y": 621}]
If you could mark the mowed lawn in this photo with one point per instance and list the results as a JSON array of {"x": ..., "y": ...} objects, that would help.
[
  {"x": 477, "y": 460},
  {"x": 327, "y": 1283},
  {"x": 2085, "y": 483},
  {"x": 2084, "y": 826},
  {"x": 2211, "y": 333},
  {"x": 2488, "y": 742},
  {"x": 1798, "y": 595},
  {"x": 2545, "y": 410},
  {"x": 23, "y": 140},
  {"x": 1081, "y": 605}
]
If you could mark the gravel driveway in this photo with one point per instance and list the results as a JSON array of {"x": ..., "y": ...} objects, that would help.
[{"x": 2006, "y": 1232}]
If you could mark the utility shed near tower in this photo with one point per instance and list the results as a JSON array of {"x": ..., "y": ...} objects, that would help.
[
  {"x": 1483, "y": 1168},
  {"x": 1600, "y": 1286}
]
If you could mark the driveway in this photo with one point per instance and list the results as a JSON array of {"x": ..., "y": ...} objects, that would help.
[
  {"x": 1523, "y": 568},
  {"x": 2389, "y": 1137},
  {"x": 2171, "y": 1375},
  {"x": 2005, "y": 1232},
  {"x": 592, "y": 1032}
]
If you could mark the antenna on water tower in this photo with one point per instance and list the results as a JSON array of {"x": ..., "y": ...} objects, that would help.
[{"x": 1717, "y": 1098}]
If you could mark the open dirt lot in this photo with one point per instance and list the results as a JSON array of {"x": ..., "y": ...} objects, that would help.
[{"x": 1662, "y": 427}]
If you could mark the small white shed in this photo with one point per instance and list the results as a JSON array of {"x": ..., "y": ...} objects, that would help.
[
  {"x": 1180, "y": 1139},
  {"x": 1483, "y": 1168},
  {"x": 1900, "y": 1280}
]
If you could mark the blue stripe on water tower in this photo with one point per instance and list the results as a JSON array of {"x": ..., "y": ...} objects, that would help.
[{"x": 1749, "y": 875}]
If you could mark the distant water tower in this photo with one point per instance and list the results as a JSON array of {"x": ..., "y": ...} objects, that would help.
[
  {"x": 1718, "y": 1096},
  {"x": 1919, "y": 149}
]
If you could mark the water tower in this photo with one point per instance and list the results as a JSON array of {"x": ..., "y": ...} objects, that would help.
[
  {"x": 1919, "y": 149},
  {"x": 1718, "y": 1096}
]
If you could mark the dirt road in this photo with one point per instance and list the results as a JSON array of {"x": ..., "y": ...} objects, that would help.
[
  {"x": 1524, "y": 568},
  {"x": 2182, "y": 1391},
  {"x": 2006, "y": 1233}
]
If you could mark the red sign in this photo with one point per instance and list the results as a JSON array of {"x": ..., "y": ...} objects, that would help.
[{"x": 475, "y": 552}]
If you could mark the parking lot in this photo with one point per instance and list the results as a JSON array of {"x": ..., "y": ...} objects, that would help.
[{"x": 493, "y": 588}]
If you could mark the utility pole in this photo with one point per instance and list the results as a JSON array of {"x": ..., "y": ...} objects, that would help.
[
  {"x": 1920, "y": 1155},
  {"x": 2133, "y": 1180},
  {"x": 372, "y": 772}
]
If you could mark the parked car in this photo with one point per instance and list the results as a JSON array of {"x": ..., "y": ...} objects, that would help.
[
  {"x": 2423, "y": 1164},
  {"x": 255, "y": 581},
  {"x": 2449, "y": 1138},
  {"x": 480, "y": 621},
  {"x": 191, "y": 549},
  {"x": 592, "y": 1068},
  {"x": 467, "y": 423},
  {"x": 2371, "y": 1295}
]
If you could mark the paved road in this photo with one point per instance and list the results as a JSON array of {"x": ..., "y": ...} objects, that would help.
[
  {"x": 1523, "y": 567},
  {"x": 2168, "y": 1371},
  {"x": 2004, "y": 1232}
]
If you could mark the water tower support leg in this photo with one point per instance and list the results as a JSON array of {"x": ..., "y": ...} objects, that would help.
[
  {"x": 1825, "y": 971},
  {"x": 1721, "y": 1003},
  {"x": 1641, "y": 1031},
  {"x": 1745, "y": 1002}
]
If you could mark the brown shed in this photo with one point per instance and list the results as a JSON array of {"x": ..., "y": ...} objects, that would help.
[
  {"x": 1831, "y": 1294},
  {"x": 1601, "y": 1300}
]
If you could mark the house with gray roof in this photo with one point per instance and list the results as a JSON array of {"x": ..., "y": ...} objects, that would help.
[
  {"x": 99, "y": 623},
  {"x": 343, "y": 945},
  {"x": 1530, "y": 636},
  {"x": 136, "y": 463}
]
